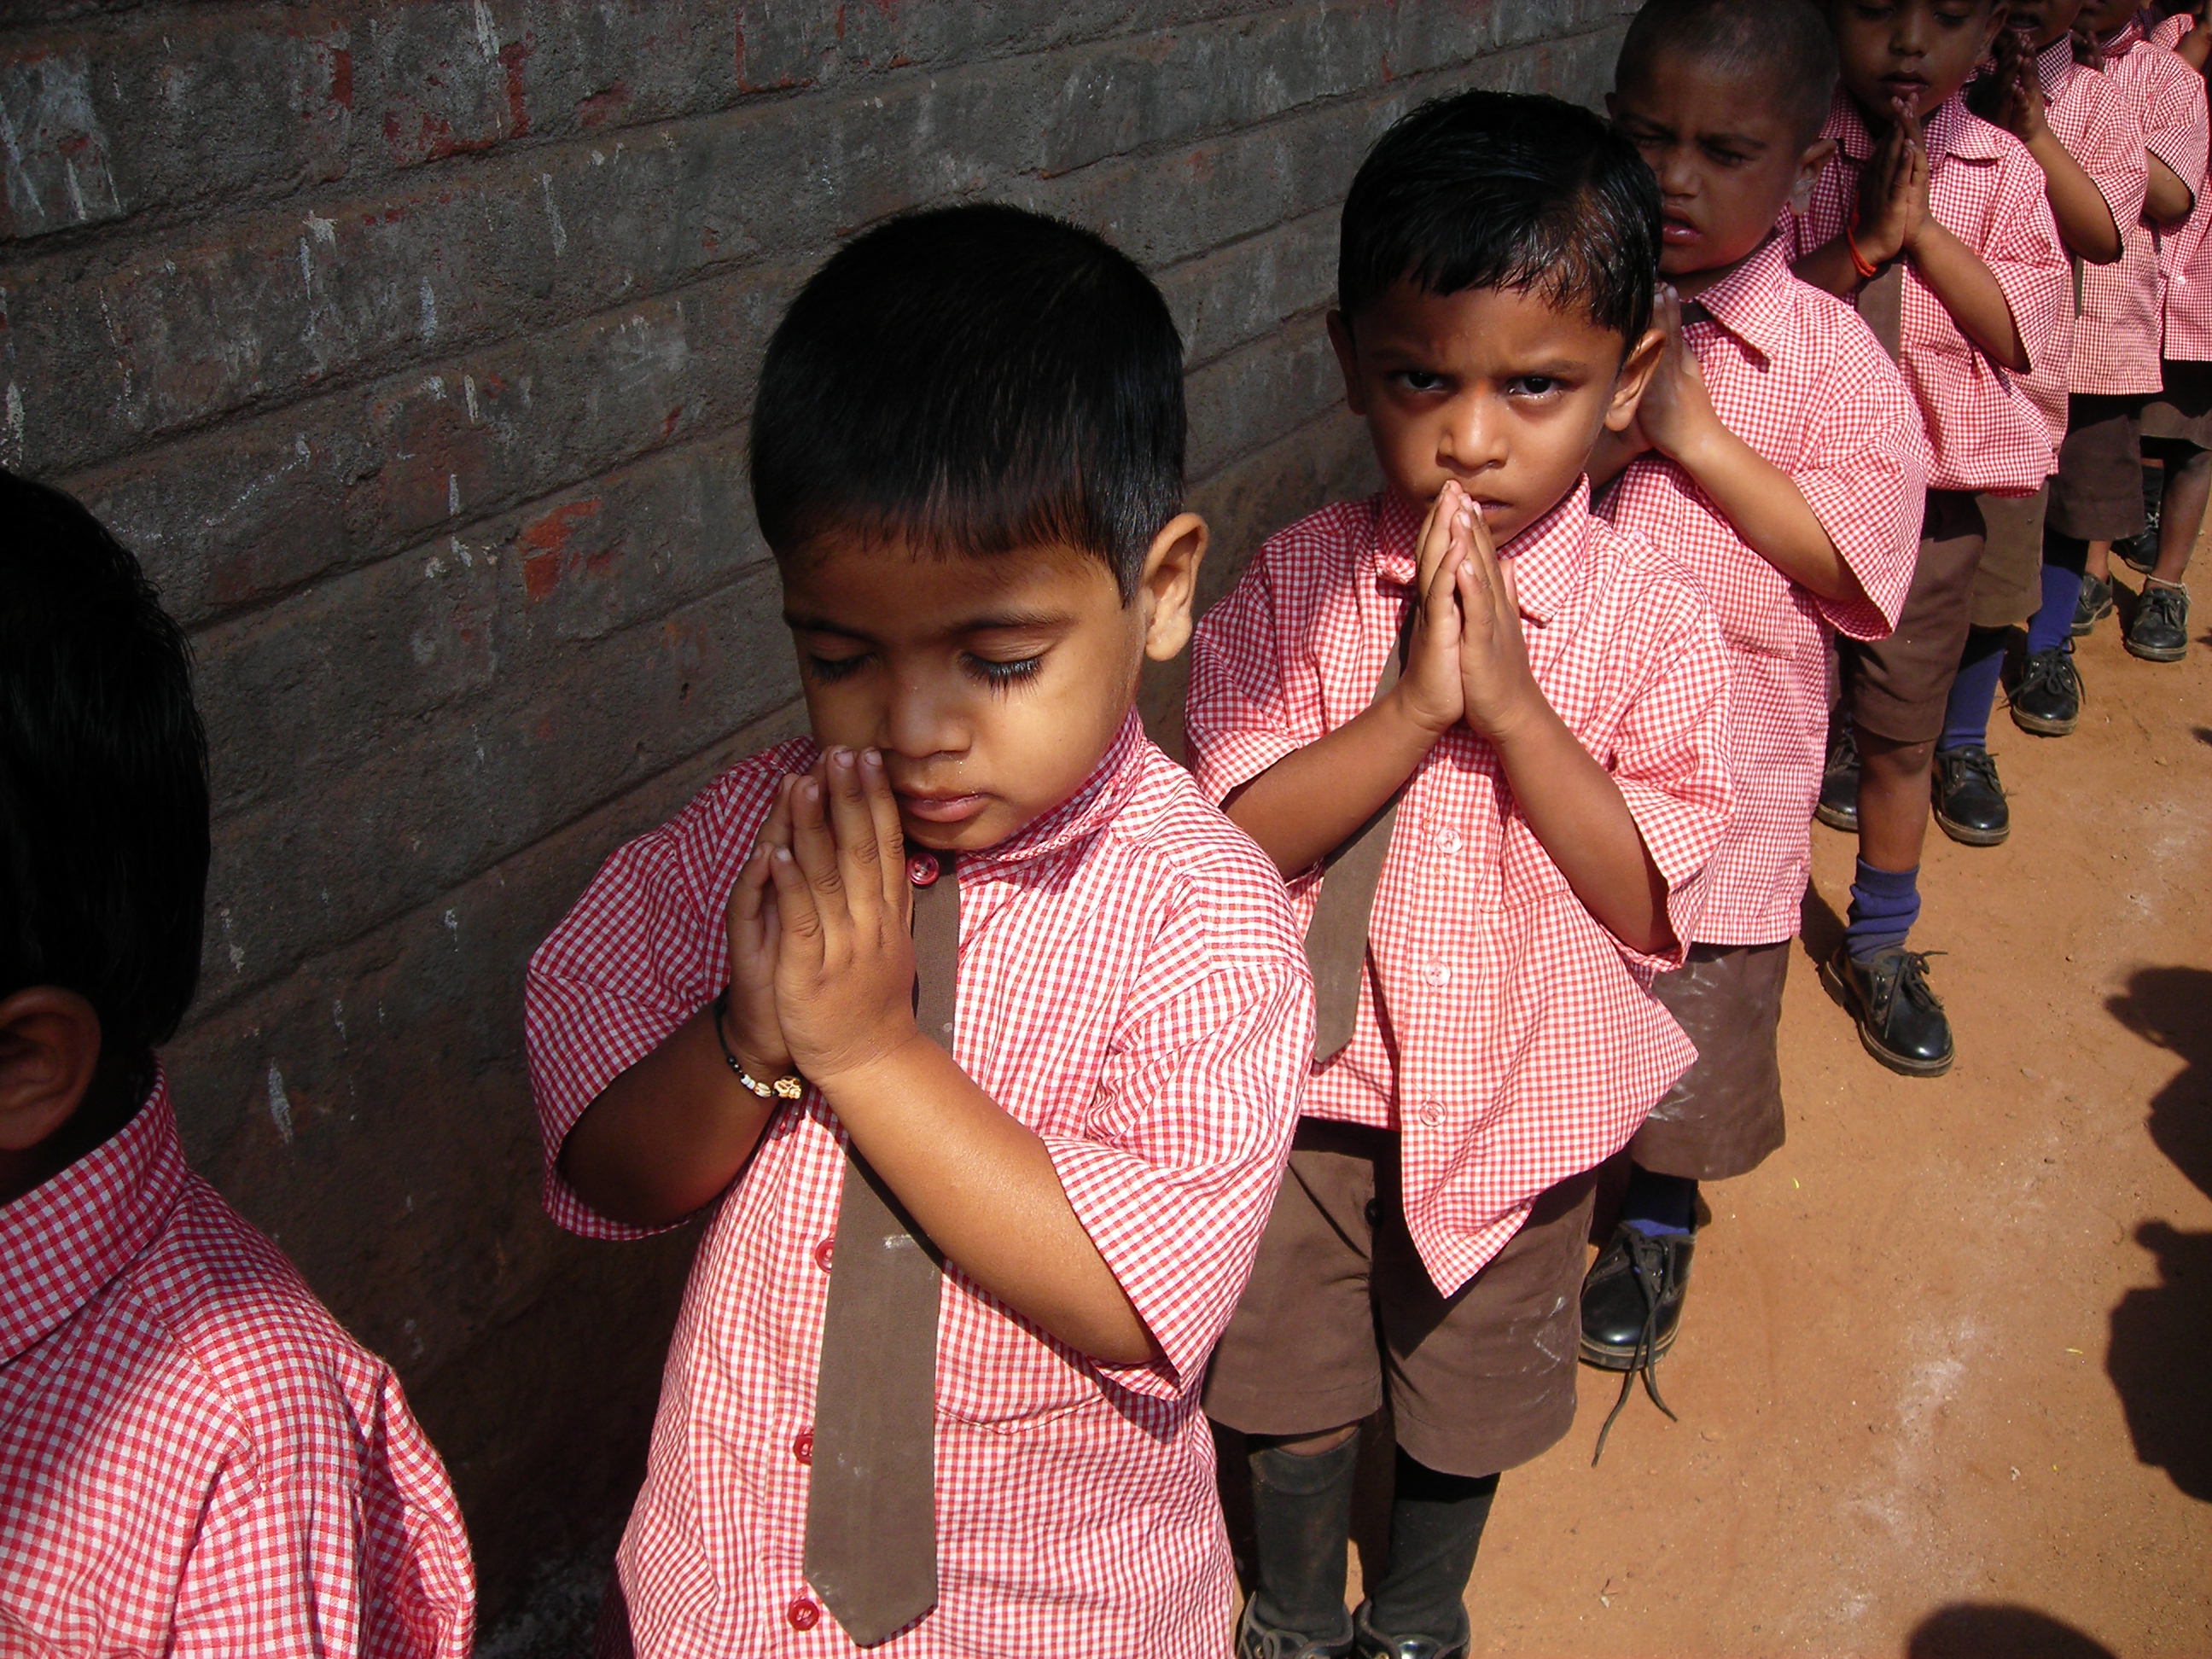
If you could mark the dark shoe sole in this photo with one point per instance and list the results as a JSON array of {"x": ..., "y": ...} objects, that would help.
[
  {"x": 1904, "y": 1064},
  {"x": 1836, "y": 818},
  {"x": 2156, "y": 653},
  {"x": 1966, "y": 836},
  {"x": 2043, "y": 725},
  {"x": 2082, "y": 630}
]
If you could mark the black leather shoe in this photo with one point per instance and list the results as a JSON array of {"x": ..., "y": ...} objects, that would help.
[
  {"x": 1257, "y": 1641},
  {"x": 2160, "y": 632},
  {"x": 2047, "y": 698},
  {"x": 1838, "y": 806},
  {"x": 1369, "y": 1644},
  {"x": 2093, "y": 607},
  {"x": 1970, "y": 802},
  {"x": 1632, "y": 1311},
  {"x": 1900, "y": 1020}
]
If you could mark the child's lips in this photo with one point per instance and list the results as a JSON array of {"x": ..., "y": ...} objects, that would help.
[
  {"x": 1677, "y": 230},
  {"x": 940, "y": 808}
]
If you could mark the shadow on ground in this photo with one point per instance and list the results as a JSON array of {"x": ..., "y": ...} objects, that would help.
[
  {"x": 2161, "y": 1332},
  {"x": 1969, "y": 1630}
]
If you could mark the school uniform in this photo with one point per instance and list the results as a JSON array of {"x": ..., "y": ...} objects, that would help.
[
  {"x": 1986, "y": 435},
  {"x": 1129, "y": 986},
  {"x": 2174, "y": 100},
  {"x": 1794, "y": 373},
  {"x": 195, "y": 1459},
  {"x": 1504, "y": 1043}
]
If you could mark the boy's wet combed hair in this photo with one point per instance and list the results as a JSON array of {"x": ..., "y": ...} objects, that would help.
[
  {"x": 1784, "y": 45},
  {"x": 103, "y": 779},
  {"x": 1504, "y": 190},
  {"x": 973, "y": 380}
]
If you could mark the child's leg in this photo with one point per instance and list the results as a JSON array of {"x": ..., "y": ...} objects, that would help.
[
  {"x": 2008, "y": 583},
  {"x": 2159, "y": 631}
]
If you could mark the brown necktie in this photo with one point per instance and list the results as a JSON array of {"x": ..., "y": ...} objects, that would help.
[
  {"x": 1336, "y": 940},
  {"x": 1882, "y": 306},
  {"x": 871, "y": 1526}
]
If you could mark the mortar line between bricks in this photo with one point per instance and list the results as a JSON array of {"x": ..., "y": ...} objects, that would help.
[
  {"x": 519, "y": 328},
  {"x": 232, "y": 996}
]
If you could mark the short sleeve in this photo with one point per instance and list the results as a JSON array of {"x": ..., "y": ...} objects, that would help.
[
  {"x": 641, "y": 951},
  {"x": 1255, "y": 690},
  {"x": 2111, "y": 146},
  {"x": 1188, "y": 1136},
  {"x": 2022, "y": 251},
  {"x": 1864, "y": 474},
  {"x": 2176, "y": 121}
]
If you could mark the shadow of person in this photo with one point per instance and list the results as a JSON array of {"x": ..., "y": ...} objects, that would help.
[
  {"x": 1821, "y": 930},
  {"x": 1971, "y": 1629},
  {"x": 2172, "y": 1007},
  {"x": 2158, "y": 1338}
]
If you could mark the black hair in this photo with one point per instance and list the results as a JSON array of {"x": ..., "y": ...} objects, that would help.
[
  {"x": 103, "y": 780},
  {"x": 972, "y": 380},
  {"x": 1504, "y": 190},
  {"x": 1784, "y": 46}
]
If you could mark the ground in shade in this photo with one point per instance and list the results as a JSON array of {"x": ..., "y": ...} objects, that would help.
[{"x": 1944, "y": 1383}]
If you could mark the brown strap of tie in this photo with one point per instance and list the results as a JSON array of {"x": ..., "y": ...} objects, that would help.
[
  {"x": 1882, "y": 303},
  {"x": 871, "y": 1528},
  {"x": 1336, "y": 939}
]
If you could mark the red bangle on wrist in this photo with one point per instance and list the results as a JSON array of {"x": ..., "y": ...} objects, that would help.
[{"x": 1866, "y": 268}]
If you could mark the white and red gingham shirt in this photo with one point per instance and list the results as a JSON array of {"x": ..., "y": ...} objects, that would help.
[
  {"x": 1133, "y": 988},
  {"x": 2118, "y": 334},
  {"x": 2176, "y": 118},
  {"x": 2100, "y": 124},
  {"x": 1984, "y": 432},
  {"x": 196, "y": 1461},
  {"x": 1794, "y": 373},
  {"x": 1524, "y": 1044}
]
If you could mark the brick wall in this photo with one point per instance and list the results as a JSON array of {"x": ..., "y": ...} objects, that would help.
[{"x": 411, "y": 346}]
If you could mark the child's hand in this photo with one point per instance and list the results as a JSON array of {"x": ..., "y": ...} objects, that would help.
[
  {"x": 1677, "y": 410},
  {"x": 1429, "y": 691},
  {"x": 2017, "y": 106},
  {"x": 1893, "y": 191},
  {"x": 750, "y": 1030},
  {"x": 844, "y": 965},
  {"x": 1499, "y": 691}
]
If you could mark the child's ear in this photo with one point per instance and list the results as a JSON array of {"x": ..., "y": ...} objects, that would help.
[
  {"x": 1635, "y": 374},
  {"x": 1816, "y": 156},
  {"x": 1169, "y": 584},
  {"x": 49, "y": 1050},
  {"x": 1347, "y": 361}
]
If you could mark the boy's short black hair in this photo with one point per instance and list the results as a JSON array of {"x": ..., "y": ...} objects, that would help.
[
  {"x": 1784, "y": 45},
  {"x": 1504, "y": 190},
  {"x": 974, "y": 379},
  {"x": 103, "y": 779}
]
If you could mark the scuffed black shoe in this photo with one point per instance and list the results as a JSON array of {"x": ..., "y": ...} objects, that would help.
[
  {"x": 2160, "y": 632},
  {"x": 2093, "y": 607},
  {"x": 1257, "y": 1641},
  {"x": 1900, "y": 1020},
  {"x": 1633, "y": 1312},
  {"x": 2047, "y": 698},
  {"x": 2140, "y": 552},
  {"x": 1838, "y": 806},
  {"x": 1368, "y": 1642},
  {"x": 1970, "y": 802}
]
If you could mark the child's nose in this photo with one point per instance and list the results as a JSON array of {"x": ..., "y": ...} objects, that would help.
[
  {"x": 920, "y": 720},
  {"x": 1473, "y": 437}
]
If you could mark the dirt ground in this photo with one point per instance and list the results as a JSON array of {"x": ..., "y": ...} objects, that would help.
[{"x": 1942, "y": 1380}]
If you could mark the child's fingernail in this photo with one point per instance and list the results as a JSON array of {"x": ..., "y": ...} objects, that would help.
[
  {"x": 783, "y": 855},
  {"x": 812, "y": 789},
  {"x": 841, "y": 757},
  {"x": 872, "y": 759}
]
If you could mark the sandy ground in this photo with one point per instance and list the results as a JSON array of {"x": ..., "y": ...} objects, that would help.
[{"x": 1942, "y": 1381}]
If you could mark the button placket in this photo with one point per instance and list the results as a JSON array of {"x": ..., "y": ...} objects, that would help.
[{"x": 803, "y": 1613}]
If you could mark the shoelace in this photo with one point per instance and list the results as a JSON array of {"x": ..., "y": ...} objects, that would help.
[
  {"x": 1647, "y": 1261},
  {"x": 2047, "y": 668},
  {"x": 2169, "y": 605},
  {"x": 1911, "y": 981},
  {"x": 1979, "y": 762}
]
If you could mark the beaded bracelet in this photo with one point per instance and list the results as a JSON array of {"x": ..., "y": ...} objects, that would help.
[
  {"x": 1867, "y": 269},
  {"x": 786, "y": 1087}
]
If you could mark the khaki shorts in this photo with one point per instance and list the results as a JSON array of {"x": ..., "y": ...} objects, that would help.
[
  {"x": 1896, "y": 688},
  {"x": 2183, "y": 411},
  {"x": 2097, "y": 494},
  {"x": 1340, "y": 1309},
  {"x": 2009, "y": 581},
  {"x": 1724, "y": 1116}
]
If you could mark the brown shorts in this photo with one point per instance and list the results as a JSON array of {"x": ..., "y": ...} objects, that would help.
[
  {"x": 1724, "y": 1116},
  {"x": 1897, "y": 686},
  {"x": 2009, "y": 581},
  {"x": 1340, "y": 1306},
  {"x": 2097, "y": 494},
  {"x": 2183, "y": 411}
]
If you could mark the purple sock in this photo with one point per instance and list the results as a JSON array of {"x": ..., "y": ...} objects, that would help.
[
  {"x": 1885, "y": 903},
  {"x": 2062, "y": 590},
  {"x": 1966, "y": 716}
]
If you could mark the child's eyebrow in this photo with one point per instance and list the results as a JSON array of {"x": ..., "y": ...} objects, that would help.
[
  {"x": 800, "y": 622},
  {"x": 1036, "y": 622}
]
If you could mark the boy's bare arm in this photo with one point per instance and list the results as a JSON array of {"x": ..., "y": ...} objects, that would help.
[
  {"x": 2165, "y": 197},
  {"x": 1576, "y": 809},
  {"x": 981, "y": 1184},
  {"x": 2085, "y": 218},
  {"x": 1310, "y": 803},
  {"x": 1760, "y": 502}
]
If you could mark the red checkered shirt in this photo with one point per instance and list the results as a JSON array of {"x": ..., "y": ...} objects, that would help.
[
  {"x": 2117, "y": 333},
  {"x": 2173, "y": 96},
  {"x": 195, "y": 1460},
  {"x": 2099, "y": 123},
  {"x": 1524, "y": 1044},
  {"x": 1133, "y": 988},
  {"x": 1794, "y": 373},
  {"x": 1984, "y": 432}
]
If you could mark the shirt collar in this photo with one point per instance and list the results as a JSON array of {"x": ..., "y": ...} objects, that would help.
[
  {"x": 2056, "y": 68},
  {"x": 1547, "y": 556},
  {"x": 67, "y": 1239},
  {"x": 1951, "y": 129},
  {"x": 1103, "y": 795},
  {"x": 2124, "y": 38},
  {"x": 1753, "y": 301}
]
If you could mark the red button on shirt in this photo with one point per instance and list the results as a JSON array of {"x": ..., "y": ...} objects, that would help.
[
  {"x": 821, "y": 1254},
  {"x": 803, "y": 1447},
  {"x": 803, "y": 1614},
  {"x": 922, "y": 870}
]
